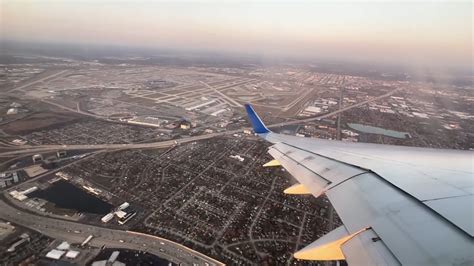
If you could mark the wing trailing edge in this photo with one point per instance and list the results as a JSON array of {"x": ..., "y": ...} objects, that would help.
[{"x": 380, "y": 193}]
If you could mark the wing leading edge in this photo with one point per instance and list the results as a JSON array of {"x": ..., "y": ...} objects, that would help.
[{"x": 399, "y": 205}]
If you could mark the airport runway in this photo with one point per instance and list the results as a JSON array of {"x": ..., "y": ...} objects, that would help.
[
  {"x": 51, "y": 77},
  {"x": 169, "y": 143},
  {"x": 74, "y": 232},
  {"x": 301, "y": 121}
]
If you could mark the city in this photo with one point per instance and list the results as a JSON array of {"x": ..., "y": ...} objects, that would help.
[
  {"x": 142, "y": 155},
  {"x": 210, "y": 194}
]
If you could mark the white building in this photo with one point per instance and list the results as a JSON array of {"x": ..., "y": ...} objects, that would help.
[
  {"x": 72, "y": 254},
  {"x": 107, "y": 218},
  {"x": 238, "y": 157},
  {"x": 55, "y": 254},
  {"x": 124, "y": 206},
  {"x": 12, "y": 111}
]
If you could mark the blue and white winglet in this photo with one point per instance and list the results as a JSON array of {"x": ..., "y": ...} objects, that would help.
[{"x": 257, "y": 123}]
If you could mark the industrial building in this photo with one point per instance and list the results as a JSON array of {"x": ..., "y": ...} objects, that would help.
[
  {"x": 63, "y": 249},
  {"x": 8, "y": 179},
  {"x": 87, "y": 240},
  {"x": 107, "y": 217},
  {"x": 37, "y": 158},
  {"x": 55, "y": 254},
  {"x": 185, "y": 125},
  {"x": 61, "y": 154},
  {"x": 148, "y": 121},
  {"x": 21, "y": 195},
  {"x": 12, "y": 111},
  {"x": 50, "y": 162},
  {"x": 112, "y": 260},
  {"x": 5, "y": 230},
  {"x": 127, "y": 217},
  {"x": 72, "y": 254},
  {"x": 122, "y": 212},
  {"x": 125, "y": 213},
  {"x": 124, "y": 205},
  {"x": 23, "y": 239}
]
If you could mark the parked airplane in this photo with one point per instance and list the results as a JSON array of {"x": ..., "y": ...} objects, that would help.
[{"x": 399, "y": 205}]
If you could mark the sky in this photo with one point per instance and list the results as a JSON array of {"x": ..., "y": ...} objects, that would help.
[{"x": 409, "y": 32}]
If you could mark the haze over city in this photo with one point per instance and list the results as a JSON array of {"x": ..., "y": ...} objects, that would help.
[{"x": 437, "y": 33}]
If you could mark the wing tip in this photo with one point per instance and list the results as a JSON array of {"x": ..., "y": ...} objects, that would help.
[{"x": 257, "y": 123}]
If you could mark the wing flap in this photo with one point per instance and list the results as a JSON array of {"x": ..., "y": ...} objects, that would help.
[
  {"x": 315, "y": 172},
  {"x": 363, "y": 199},
  {"x": 409, "y": 229},
  {"x": 406, "y": 196},
  {"x": 327, "y": 247},
  {"x": 312, "y": 181},
  {"x": 367, "y": 248}
]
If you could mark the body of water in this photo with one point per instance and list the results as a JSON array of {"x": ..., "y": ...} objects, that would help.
[
  {"x": 67, "y": 196},
  {"x": 379, "y": 130}
]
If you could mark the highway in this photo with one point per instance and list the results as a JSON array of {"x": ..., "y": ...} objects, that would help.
[
  {"x": 74, "y": 232},
  {"x": 169, "y": 143},
  {"x": 161, "y": 144}
]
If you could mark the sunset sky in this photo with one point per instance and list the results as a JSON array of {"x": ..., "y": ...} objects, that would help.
[{"x": 398, "y": 31}]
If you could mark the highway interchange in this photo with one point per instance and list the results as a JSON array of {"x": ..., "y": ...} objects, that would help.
[{"x": 77, "y": 232}]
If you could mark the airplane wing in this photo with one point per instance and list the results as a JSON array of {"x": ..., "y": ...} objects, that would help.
[{"x": 399, "y": 205}]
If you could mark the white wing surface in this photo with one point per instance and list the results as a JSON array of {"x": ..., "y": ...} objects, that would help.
[{"x": 399, "y": 205}]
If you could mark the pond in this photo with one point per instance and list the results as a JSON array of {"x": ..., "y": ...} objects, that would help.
[
  {"x": 379, "y": 131},
  {"x": 67, "y": 196}
]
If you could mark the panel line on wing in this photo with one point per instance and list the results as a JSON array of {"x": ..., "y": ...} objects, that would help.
[
  {"x": 326, "y": 157},
  {"x": 331, "y": 183},
  {"x": 349, "y": 178},
  {"x": 299, "y": 163},
  {"x": 442, "y": 198}
]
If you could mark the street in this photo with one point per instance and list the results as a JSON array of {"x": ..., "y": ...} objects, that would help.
[{"x": 76, "y": 233}]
